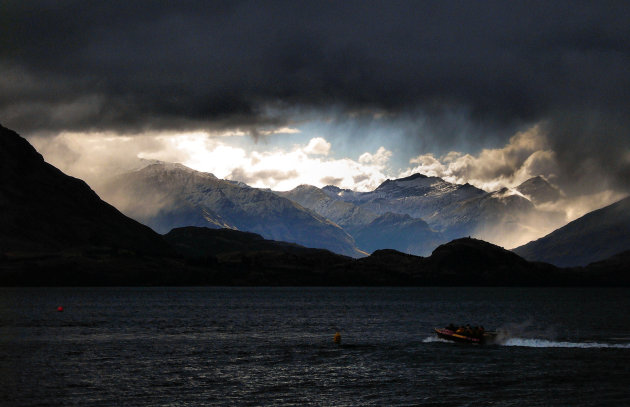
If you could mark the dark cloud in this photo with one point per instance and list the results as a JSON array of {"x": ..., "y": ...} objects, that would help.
[{"x": 133, "y": 65}]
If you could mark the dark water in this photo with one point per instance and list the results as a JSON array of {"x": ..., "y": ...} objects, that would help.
[{"x": 273, "y": 346}]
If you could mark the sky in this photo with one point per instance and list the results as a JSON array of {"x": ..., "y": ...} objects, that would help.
[{"x": 350, "y": 93}]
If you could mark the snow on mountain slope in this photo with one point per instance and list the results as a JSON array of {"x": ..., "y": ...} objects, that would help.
[
  {"x": 504, "y": 217},
  {"x": 165, "y": 196},
  {"x": 538, "y": 190},
  {"x": 370, "y": 230}
]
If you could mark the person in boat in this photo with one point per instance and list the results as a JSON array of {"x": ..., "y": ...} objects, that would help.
[
  {"x": 451, "y": 327},
  {"x": 477, "y": 332}
]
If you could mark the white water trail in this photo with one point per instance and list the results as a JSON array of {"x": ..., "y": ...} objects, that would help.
[
  {"x": 544, "y": 343},
  {"x": 430, "y": 339}
]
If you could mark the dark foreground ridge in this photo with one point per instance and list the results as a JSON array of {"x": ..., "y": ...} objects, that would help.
[
  {"x": 594, "y": 237},
  {"x": 55, "y": 231},
  {"x": 229, "y": 257}
]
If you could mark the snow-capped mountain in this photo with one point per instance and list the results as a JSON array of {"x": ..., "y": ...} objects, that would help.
[
  {"x": 371, "y": 231},
  {"x": 538, "y": 190},
  {"x": 418, "y": 196},
  {"x": 456, "y": 210},
  {"x": 504, "y": 217},
  {"x": 165, "y": 196}
]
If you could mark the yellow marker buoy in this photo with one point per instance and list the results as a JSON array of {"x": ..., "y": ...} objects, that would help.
[{"x": 337, "y": 338}]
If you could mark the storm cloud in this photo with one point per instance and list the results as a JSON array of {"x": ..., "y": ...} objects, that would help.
[{"x": 131, "y": 66}]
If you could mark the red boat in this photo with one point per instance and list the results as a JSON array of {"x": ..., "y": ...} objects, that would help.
[{"x": 449, "y": 335}]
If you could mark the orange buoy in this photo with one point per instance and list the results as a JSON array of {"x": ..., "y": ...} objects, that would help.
[
  {"x": 60, "y": 309},
  {"x": 337, "y": 338}
]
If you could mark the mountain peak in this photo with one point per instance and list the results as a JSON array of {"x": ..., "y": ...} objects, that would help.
[
  {"x": 416, "y": 184},
  {"x": 413, "y": 177},
  {"x": 163, "y": 167},
  {"x": 305, "y": 187},
  {"x": 15, "y": 151},
  {"x": 539, "y": 190},
  {"x": 44, "y": 209}
]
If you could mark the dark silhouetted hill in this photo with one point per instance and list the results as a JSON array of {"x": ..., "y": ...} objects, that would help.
[
  {"x": 593, "y": 237},
  {"x": 56, "y": 231},
  {"x": 249, "y": 259},
  {"x": 476, "y": 262},
  {"x": 42, "y": 210}
]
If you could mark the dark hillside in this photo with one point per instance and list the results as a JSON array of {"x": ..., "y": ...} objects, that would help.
[
  {"x": 595, "y": 236},
  {"x": 42, "y": 210}
]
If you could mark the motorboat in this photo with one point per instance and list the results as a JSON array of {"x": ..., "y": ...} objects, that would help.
[{"x": 466, "y": 336}]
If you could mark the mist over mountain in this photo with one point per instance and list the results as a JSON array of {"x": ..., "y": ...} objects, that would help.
[
  {"x": 538, "y": 190},
  {"x": 165, "y": 196},
  {"x": 44, "y": 211},
  {"x": 57, "y": 231},
  {"x": 400, "y": 232},
  {"x": 593, "y": 237}
]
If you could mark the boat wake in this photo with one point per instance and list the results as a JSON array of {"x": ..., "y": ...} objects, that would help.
[
  {"x": 430, "y": 339},
  {"x": 545, "y": 343}
]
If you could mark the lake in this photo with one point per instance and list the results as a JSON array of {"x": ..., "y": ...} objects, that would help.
[{"x": 222, "y": 346}]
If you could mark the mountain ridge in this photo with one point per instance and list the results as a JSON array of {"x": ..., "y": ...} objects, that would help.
[
  {"x": 58, "y": 232},
  {"x": 451, "y": 210},
  {"x": 165, "y": 197},
  {"x": 42, "y": 208},
  {"x": 593, "y": 237}
]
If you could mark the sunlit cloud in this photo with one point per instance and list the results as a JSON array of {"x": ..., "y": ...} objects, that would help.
[
  {"x": 379, "y": 159},
  {"x": 97, "y": 156},
  {"x": 526, "y": 155},
  {"x": 283, "y": 170},
  {"x": 318, "y": 146},
  {"x": 277, "y": 168}
]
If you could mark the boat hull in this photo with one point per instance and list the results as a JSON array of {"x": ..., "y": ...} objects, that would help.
[
  {"x": 455, "y": 337},
  {"x": 452, "y": 336}
]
